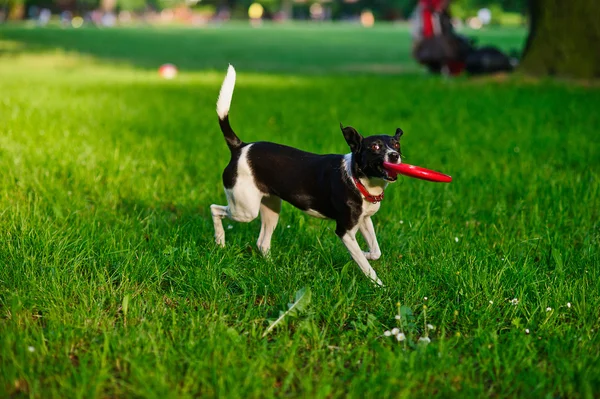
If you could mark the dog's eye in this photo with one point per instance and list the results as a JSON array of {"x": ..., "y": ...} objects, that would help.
[
  {"x": 375, "y": 147},
  {"x": 396, "y": 145}
]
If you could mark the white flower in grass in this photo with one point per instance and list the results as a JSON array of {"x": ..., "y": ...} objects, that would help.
[
  {"x": 514, "y": 301},
  {"x": 402, "y": 222},
  {"x": 31, "y": 349},
  {"x": 397, "y": 317},
  {"x": 229, "y": 227},
  {"x": 456, "y": 239},
  {"x": 388, "y": 333},
  {"x": 568, "y": 304},
  {"x": 491, "y": 302},
  {"x": 288, "y": 226},
  {"x": 425, "y": 298},
  {"x": 424, "y": 340},
  {"x": 527, "y": 331},
  {"x": 395, "y": 331},
  {"x": 401, "y": 337},
  {"x": 548, "y": 309},
  {"x": 430, "y": 327}
]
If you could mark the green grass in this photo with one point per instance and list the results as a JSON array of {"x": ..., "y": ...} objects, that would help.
[
  {"x": 111, "y": 286},
  {"x": 271, "y": 48}
]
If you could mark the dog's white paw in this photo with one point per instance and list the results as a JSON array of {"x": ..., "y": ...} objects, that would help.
[
  {"x": 220, "y": 241},
  {"x": 375, "y": 280},
  {"x": 265, "y": 251},
  {"x": 372, "y": 256}
]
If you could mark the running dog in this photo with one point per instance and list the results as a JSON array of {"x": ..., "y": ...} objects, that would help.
[{"x": 346, "y": 188}]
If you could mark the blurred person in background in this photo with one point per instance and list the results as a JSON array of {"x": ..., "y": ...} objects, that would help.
[{"x": 437, "y": 46}]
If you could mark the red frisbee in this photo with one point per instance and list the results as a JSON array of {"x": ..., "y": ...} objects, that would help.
[{"x": 417, "y": 171}]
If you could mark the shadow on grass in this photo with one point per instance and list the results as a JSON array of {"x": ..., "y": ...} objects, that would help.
[{"x": 311, "y": 49}]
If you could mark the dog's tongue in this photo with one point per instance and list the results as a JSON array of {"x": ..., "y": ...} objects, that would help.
[{"x": 415, "y": 171}]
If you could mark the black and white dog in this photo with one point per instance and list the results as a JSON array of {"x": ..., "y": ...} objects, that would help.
[{"x": 346, "y": 188}]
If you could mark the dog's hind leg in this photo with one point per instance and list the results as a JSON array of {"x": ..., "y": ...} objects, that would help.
[
  {"x": 243, "y": 205},
  {"x": 349, "y": 240},
  {"x": 368, "y": 232},
  {"x": 219, "y": 212},
  {"x": 269, "y": 215}
]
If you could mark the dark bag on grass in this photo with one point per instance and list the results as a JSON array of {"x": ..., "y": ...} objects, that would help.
[{"x": 488, "y": 60}]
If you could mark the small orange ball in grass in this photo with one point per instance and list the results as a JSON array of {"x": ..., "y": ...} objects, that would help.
[{"x": 167, "y": 71}]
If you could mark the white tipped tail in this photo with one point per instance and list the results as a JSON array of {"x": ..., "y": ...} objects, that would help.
[
  {"x": 226, "y": 93},
  {"x": 223, "y": 104}
]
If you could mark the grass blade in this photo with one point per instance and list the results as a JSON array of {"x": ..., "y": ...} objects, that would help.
[{"x": 301, "y": 302}]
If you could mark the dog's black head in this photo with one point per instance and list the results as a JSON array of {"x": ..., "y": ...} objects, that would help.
[{"x": 368, "y": 153}]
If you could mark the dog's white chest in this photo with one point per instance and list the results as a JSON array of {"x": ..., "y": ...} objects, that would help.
[{"x": 369, "y": 208}]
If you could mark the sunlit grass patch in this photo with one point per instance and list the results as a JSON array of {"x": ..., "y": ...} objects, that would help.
[{"x": 10, "y": 45}]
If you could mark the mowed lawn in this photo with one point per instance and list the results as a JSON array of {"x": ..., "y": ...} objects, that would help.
[{"x": 111, "y": 286}]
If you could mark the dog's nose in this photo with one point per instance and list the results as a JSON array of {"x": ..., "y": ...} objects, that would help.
[{"x": 394, "y": 157}]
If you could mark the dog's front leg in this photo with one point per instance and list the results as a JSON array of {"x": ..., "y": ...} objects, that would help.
[
  {"x": 368, "y": 232},
  {"x": 349, "y": 240}
]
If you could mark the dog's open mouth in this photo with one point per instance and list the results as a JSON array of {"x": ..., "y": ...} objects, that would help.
[{"x": 389, "y": 174}]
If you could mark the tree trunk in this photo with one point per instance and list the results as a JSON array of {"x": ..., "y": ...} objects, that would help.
[{"x": 564, "y": 38}]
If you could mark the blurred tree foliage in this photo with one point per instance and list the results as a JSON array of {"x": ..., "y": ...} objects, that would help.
[
  {"x": 506, "y": 5},
  {"x": 383, "y": 9},
  {"x": 131, "y": 5}
]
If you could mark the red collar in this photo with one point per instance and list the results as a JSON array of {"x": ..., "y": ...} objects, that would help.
[{"x": 363, "y": 190}]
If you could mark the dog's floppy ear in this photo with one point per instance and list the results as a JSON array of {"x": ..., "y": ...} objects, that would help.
[
  {"x": 398, "y": 134},
  {"x": 353, "y": 138}
]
